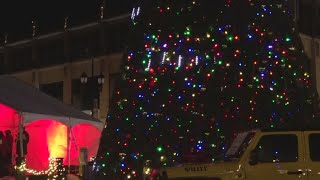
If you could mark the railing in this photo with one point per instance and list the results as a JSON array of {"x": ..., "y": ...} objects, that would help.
[{"x": 56, "y": 48}]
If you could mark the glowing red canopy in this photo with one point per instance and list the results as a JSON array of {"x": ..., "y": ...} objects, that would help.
[
  {"x": 49, "y": 138},
  {"x": 47, "y": 122}
]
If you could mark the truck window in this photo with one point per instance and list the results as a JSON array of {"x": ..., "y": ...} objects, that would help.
[
  {"x": 277, "y": 148},
  {"x": 314, "y": 146},
  {"x": 239, "y": 145}
]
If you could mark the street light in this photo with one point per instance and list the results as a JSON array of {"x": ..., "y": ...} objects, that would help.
[
  {"x": 99, "y": 82},
  {"x": 100, "y": 79},
  {"x": 83, "y": 78}
]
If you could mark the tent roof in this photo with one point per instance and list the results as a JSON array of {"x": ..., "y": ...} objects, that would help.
[{"x": 37, "y": 105}]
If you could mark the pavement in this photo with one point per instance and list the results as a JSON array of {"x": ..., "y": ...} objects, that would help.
[
  {"x": 69, "y": 177},
  {"x": 72, "y": 177},
  {"x": 7, "y": 178}
]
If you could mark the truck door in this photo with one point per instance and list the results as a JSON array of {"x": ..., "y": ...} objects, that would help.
[
  {"x": 276, "y": 156},
  {"x": 312, "y": 140}
]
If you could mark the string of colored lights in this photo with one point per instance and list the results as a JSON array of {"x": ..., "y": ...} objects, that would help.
[{"x": 198, "y": 77}]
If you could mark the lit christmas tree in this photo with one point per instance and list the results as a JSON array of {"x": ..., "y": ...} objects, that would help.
[{"x": 196, "y": 73}]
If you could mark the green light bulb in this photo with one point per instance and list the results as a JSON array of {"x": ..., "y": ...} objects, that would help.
[{"x": 159, "y": 149}]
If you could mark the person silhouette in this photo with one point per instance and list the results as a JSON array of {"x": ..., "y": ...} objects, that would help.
[
  {"x": 9, "y": 143},
  {"x": 2, "y": 154},
  {"x": 25, "y": 141}
]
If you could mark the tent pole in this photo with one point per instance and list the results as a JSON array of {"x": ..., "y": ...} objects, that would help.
[
  {"x": 20, "y": 134},
  {"x": 69, "y": 149},
  {"x": 20, "y": 174}
]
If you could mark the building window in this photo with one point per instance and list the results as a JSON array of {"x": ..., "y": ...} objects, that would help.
[
  {"x": 53, "y": 89},
  {"x": 51, "y": 52},
  {"x": 314, "y": 146},
  {"x": 77, "y": 94},
  {"x": 2, "y": 64},
  {"x": 279, "y": 148},
  {"x": 117, "y": 36},
  {"x": 114, "y": 80},
  {"x": 85, "y": 44},
  {"x": 305, "y": 15},
  {"x": 317, "y": 49},
  {"x": 294, "y": 6},
  {"x": 20, "y": 58}
]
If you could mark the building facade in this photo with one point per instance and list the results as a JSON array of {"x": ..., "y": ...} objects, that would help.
[
  {"x": 307, "y": 13},
  {"x": 55, "y": 62}
]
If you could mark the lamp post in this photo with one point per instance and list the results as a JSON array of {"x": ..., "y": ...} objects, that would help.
[{"x": 95, "y": 82}]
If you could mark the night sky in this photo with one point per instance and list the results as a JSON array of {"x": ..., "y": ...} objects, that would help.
[{"x": 16, "y": 16}]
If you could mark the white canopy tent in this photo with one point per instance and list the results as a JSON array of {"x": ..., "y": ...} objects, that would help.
[
  {"x": 36, "y": 105},
  {"x": 33, "y": 105}
]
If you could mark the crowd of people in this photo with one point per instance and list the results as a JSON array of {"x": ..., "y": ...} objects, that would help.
[
  {"x": 6, "y": 142},
  {"x": 6, "y": 147}
]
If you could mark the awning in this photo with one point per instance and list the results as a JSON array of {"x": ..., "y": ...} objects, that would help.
[{"x": 35, "y": 105}]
